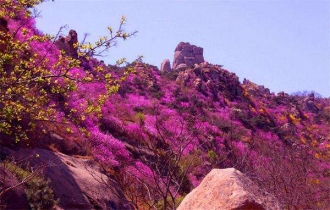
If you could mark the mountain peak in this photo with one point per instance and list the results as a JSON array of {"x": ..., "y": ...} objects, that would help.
[{"x": 187, "y": 55}]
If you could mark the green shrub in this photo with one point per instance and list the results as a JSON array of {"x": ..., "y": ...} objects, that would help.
[
  {"x": 213, "y": 157},
  {"x": 37, "y": 189},
  {"x": 139, "y": 118},
  {"x": 39, "y": 194}
]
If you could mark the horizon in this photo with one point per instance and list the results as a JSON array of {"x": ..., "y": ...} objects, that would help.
[{"x": 281, "y": 45}]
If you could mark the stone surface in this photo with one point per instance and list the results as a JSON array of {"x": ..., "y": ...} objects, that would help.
[
  {"x": 205, "y": 64},
  {"x": 199, "y": 58},
  {"x": 310, "y": 104},
  {"x": 67, "y": 44},
  {"x": 287, "y": 129},
  {"x": 166, "y": 65},
  {"x": 182, "y": 66},
  {"x": 198, "y": 51},
  {"x": 189, "y": 61},
  {"x": 183, "y": 78},
  {"x": 198, "y": 83},
  {"x": 282, "y": 94},
  {"x": 77, "y": 181},
  {"x": 228, "y": 189},
  {"x": 72, "y": 39},
  {"x": 255, "y": 89},
  {"x": 178, "y": 57},
  {"x": 188, "y": 54}
]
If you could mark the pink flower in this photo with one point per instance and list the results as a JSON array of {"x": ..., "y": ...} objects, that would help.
[{"x": 107, "y": 149}]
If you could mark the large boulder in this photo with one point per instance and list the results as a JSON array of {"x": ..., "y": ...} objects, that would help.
[
  {"x": 188, "y": 54},
  {"x": 78, "y": 182},
  {"x": 228, "y": 189}
]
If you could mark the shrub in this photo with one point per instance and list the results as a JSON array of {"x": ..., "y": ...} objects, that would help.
[
  {"x": 37, "y": 79},
  {"x": 139, "y": 118},
  {"x": 37, "y": 189},
  {"x": 39, "y": 194}
]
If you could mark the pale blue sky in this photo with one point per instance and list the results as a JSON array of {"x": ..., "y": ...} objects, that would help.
[{"x": 283, "y": 45}]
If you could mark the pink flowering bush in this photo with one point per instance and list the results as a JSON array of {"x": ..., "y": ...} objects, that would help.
[
  {"x": 135, "y": 132},
  {"x": 108, "y": 150},
  {"x": 159, "y": 136}
]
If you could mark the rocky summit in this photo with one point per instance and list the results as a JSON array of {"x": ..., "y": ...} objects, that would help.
[{"x": 186, "y": 55}]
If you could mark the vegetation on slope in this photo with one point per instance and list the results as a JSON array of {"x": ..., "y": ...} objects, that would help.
[{"x": 158, "y": 133}]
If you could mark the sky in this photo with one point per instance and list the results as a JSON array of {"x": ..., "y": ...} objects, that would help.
[{"x": 281, "y": 44}]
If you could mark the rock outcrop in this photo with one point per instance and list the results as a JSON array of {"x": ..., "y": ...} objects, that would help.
[
  {"x": 68, "y": 43},
  {"x": 255, "y": 89},
  {"x": 228, "y": 189},
  {"x": 166, "y": 65},
  {"x": 310, "y": 104},
  {"x": 78, "y": 182},
  {"x": 186, "y": 55},
  {"x": 210, "y": 79}
]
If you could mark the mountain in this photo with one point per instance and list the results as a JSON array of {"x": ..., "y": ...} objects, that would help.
[{"x": 155, "y": 137}]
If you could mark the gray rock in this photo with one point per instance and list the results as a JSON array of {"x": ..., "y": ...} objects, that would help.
[
  {"x": 79, "y": 182},
  {"x": 198, "y": 83},
  {"x": 180, "y": 46},
  {"x": 183, "y": 77},
  {"x": 228, "y": 189},
  {"x": 166, "y": 66},
  {"x": 178, "y": 59},
  {"x": 187, "y": 48},
  {"x": 182, "y": 66},
  {"x": 68, "y": 44},
  {"x": 287, "y": 129},
  {"x": 311, "y": 97},
  {"x": 311, "y": 106},
  {"x": 188, "y": 54},
  {"x": 198, "y": 51},
  {"x": 199, "y": 58},
  {"x": 197, "y": 69},
  {"x": 189, "y": 61},
  {"x": 205, "y": 64}
]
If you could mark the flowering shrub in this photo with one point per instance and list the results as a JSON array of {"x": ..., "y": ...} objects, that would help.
[
  {"x": 108, "y": 150},
  {"x": 135, "y": 133},
  {"x": 159, "y": 136},
  {"x": 36, "y": 77}
]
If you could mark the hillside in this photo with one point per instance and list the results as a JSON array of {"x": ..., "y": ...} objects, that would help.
[{"x": 147, "y": 135}]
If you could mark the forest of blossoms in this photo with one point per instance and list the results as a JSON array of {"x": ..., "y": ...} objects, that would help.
[{"x": 157, "y": 134}]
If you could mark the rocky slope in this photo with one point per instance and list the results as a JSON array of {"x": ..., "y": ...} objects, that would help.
[
  {"x": 78, "y": 182},
  {"x": 156, "y": 138}
]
